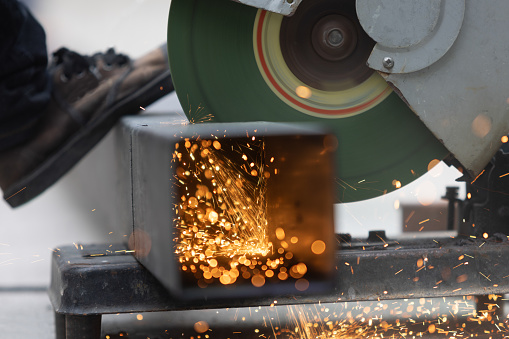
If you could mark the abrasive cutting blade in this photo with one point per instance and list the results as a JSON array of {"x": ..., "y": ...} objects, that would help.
[{"x": 232, "y": 62}]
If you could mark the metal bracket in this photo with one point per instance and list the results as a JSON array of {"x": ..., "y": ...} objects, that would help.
[
  {"x": 410, "y": 35},
  {"x": 284, "y": 7}
]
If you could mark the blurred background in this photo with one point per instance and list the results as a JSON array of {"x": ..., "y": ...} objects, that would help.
[{"x": 63, "y": 216}]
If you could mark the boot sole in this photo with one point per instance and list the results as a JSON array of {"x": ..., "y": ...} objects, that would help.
[{"x": 59, "y": 163}]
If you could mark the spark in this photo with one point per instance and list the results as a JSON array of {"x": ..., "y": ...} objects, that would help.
[
  {"x": 16, "y": 193},
  {"x": 221, "y": 216},
  {"x": 485, "y": 276},
  {"x": 342, "y": 183},
  {"x": 9, "y": 261},
  {"x": 458, "y": 265},
  {"x": 477, "y": 176},
  {"x": 197, "y": 116}
]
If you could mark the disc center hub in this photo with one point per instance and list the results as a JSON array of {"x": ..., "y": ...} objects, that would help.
[
  {"x": 334, "y": 37},
  {"x": 324, "y": 46}
]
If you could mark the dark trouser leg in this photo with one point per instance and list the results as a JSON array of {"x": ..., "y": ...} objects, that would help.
[{"x": 25, "y": 87}]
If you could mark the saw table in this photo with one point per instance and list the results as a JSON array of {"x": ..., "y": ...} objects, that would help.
[{"x": 88, "y": 281}]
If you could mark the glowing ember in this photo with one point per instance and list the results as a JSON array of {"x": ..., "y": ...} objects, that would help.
[
  {"x": 258, "y": 280},
  {"x": 223, "y": 236},
  {"x": 396, "y": 183},
  {"x": 318, "y": 247},
  {"x": 396, "y": 204},
  {"x": 481, "y": 125},
  {"x": 303, "y": 92},
  {"x": 201, "y": 326},
  {"x": 280, "y": 233},
  {"x": 433, "y": 163},
  {"x": 408, "y": 318}
]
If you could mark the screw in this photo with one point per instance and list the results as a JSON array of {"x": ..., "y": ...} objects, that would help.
[{"x": 388, "y": 62}]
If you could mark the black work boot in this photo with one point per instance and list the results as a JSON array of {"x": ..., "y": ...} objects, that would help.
[{"x": 89, "y": 95}]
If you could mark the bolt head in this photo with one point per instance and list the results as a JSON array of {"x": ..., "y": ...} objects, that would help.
[
  {"x": 335, "y": 38},
  {"x": 388, "y": 62}
]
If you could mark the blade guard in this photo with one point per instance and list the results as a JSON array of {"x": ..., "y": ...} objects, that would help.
[{"x": 459, "y": 90}]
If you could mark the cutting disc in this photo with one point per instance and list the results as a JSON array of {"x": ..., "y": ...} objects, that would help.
[{"x": 232, "y": 62}]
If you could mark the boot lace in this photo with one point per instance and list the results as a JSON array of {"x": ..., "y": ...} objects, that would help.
[
  {"x": 111, "y": 59},
  {"x": 76, "y": 64}
]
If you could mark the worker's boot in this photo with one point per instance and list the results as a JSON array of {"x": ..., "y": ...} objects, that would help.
[{"x": 89, "y": 94}]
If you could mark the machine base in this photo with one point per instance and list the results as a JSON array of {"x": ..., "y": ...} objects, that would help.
[{"x": 88, "y": 281}]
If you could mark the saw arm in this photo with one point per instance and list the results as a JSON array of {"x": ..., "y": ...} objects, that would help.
[{"x": 446, "y": 61}]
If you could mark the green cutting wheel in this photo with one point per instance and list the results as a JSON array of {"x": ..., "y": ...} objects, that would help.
[{"x": 232, "y": 62}]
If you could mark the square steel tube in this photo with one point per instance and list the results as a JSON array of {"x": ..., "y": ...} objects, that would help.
[{"x": 189, "y": 217}]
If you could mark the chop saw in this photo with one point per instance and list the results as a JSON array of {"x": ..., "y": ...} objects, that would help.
[
  {"x": 403, "y": 84},
  {"x": 238, "y": 204}
]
